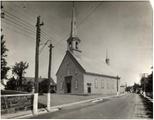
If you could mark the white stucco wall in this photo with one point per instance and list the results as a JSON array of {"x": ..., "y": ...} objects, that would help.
[{"x": 100, "y": 84}]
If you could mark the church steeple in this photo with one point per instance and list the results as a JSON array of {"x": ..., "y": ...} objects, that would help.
[
  {"x": 73, "y": 23},
  {"x": 73, "y": 41}
]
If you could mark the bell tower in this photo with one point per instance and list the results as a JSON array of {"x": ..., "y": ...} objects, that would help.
[{"x": 73, "y": 41}]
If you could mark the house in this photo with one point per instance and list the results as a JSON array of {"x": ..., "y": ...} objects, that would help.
[{"x": 80, "y": 75}]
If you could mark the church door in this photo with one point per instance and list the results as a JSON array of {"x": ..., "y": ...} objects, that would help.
[
  {"x": 68, "y": 84},
  {"x": 89, "y": 89}
]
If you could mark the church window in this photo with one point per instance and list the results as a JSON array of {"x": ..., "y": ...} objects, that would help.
[
  {"x": 102, "y": 83},
  {"x": 76, "y": 83},
  {"x": 96, "y": 83},
  {"x": 112, "y": 85},
  {"x": 61, "y": 85},
  {"x": 70, "y": 44},
  {"x": 76, "y": 45},
  {"x": 107, "y": 82}
]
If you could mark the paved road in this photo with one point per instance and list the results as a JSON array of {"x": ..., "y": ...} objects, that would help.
[{"x": 124, "y": 107}]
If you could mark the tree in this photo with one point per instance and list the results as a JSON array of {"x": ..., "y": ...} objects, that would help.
[
  {"x": 43, "y": 86},
  {"x": 149, "y": 84},
  {"x": 11, "y": 84},
  {"x": 136, "y": 87},
  {"x": 4, "y": 67},
  {"x": 19, "y": 70},
  {"x": 29, "y": 86}
]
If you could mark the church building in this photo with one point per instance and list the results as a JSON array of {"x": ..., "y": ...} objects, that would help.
[{"x": 79, "y": 75}]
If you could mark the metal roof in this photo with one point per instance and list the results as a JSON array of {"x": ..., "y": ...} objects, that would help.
[{"x": 94, "y": 66}]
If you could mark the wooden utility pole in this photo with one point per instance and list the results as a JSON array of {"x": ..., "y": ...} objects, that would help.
[
  {"x": 49, "y": 75},
  {"x": 118, "y": 91},
  {"x": 38, "y": 31}
]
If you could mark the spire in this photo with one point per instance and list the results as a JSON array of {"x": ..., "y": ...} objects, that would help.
[
  {"x": 73, "y": 23},
  {"x": 73, "y": 41}
]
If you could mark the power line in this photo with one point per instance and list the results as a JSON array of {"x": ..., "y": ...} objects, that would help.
[
  {"x": 21, "y": 20},
  {"x": 44, "y": 46},
  {"x": 44, "y": 31},
  {"x": 24, "y": 23},
  {"x": 18, "y": 30},
  {"x": 27, "y": 24},
  {"x": 20, "y": 27},
  {"x": 18, "y": 23},
  {"x": 21, "y": 12},
  {"x": 82, "y": 21},
  {"x": 90, "y": 13}
]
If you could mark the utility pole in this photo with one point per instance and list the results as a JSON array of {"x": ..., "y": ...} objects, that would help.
[
  {"x": 118, "y": 85},
  {"x": 49, "y": 75},
  {"x": 38, "y": 31}
]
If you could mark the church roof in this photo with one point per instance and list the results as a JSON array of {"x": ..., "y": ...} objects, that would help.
[{"x": 95, "y": 67}]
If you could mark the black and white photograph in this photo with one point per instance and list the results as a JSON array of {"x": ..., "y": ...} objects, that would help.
[{"x": 77, "y": 59}]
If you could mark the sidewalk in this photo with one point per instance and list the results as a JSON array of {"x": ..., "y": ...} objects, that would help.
[
  {"x": 24, "y": 114},
  {"x": 54, "y": 108}
]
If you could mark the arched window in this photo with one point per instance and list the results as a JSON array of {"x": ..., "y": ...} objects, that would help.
[
  {"x": 70, "y": 44},
  {"x": 96, "y": 83},
  {"x": 76, "y": 83},
  {"x": 102, "y": 83},
  {"x": 61, "y": 85},
  {"x": 76, "y": 45}
]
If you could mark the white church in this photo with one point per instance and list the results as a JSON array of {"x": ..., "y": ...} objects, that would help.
[{"x": 77, "y": 75}]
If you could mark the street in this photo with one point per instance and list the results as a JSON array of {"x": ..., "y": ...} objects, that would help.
[{"x": 123, "y": 107}]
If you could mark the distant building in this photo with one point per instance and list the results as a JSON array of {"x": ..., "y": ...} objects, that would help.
[
  {"x": 79, "y": 75},
  {"x": 122, "y": 89}
]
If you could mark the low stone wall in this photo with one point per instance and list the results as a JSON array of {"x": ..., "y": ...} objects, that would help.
[{"x": 16, "y": 102}]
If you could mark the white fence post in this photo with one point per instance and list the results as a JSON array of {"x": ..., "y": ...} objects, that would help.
[{"x": 35, "y": 104}]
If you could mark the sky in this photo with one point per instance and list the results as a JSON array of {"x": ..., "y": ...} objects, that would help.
[{"x": 124, "y": 29}]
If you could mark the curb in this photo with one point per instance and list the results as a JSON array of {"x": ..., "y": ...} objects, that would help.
[{"x": 58, "y": 107}]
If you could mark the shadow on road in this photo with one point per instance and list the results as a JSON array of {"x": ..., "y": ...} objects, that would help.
[{"x": 148, "y": 106}]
